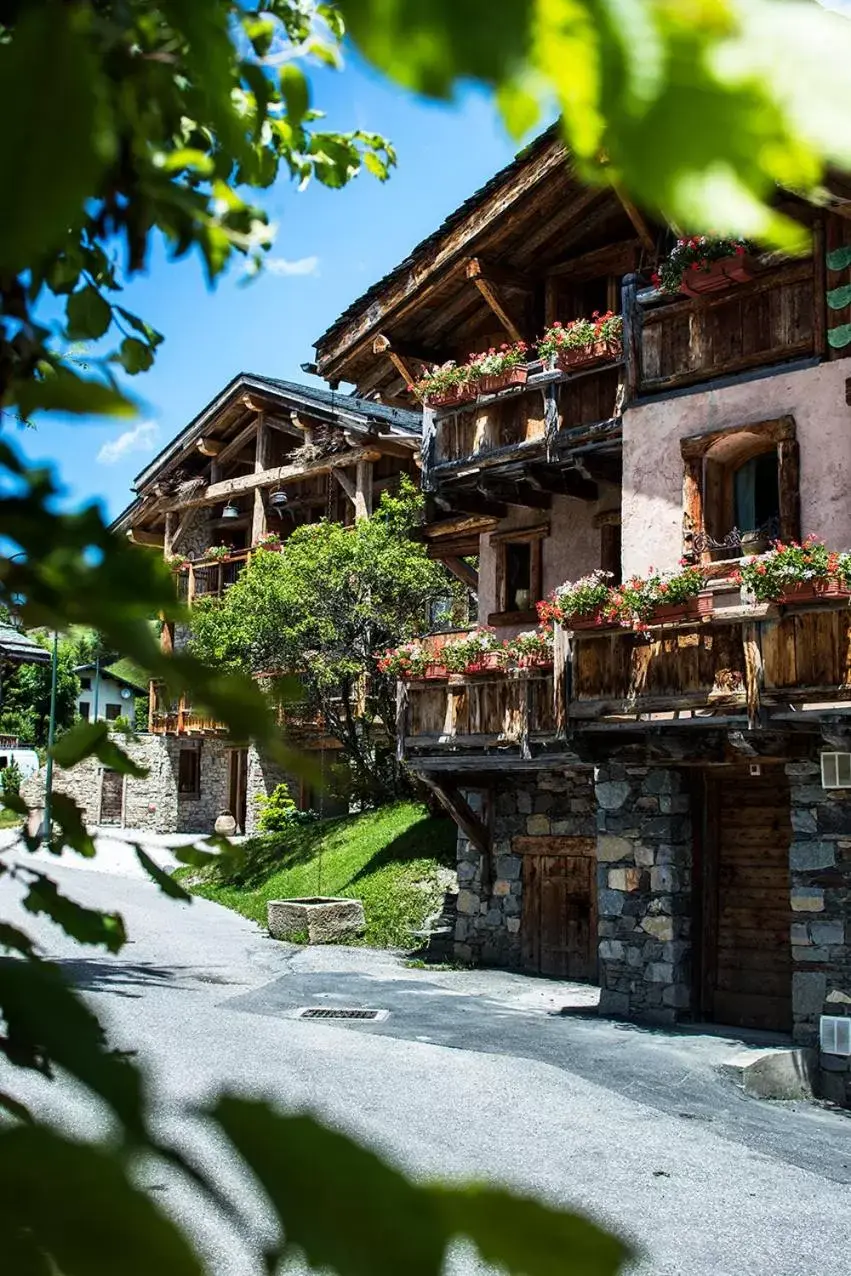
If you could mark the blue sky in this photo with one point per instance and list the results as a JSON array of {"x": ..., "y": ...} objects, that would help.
[{"x": 331, "y": 246}]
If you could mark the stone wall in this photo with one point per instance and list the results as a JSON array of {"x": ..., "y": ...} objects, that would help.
[
  {"x": 644, "y": 863},
  {"x": 151, "y": 802},
  {"x": 264, "y": 775},
  {"x": 820, "y": 863},
  {"x": 552, "y": 803}
]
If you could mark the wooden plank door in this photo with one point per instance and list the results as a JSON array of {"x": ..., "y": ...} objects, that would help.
[
  {"x": 111, "y": 797},
  {"x": 238, "y": 787},
  {"x": 559, "y": 921},
  {"x": 747, "y": 956}
]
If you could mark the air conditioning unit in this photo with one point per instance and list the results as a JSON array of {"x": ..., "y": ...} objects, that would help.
[
  {"x": 836, "y": 770},
  {"x": 835, "y": 1034}
]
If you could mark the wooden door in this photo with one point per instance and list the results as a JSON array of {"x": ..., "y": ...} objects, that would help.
[
  {"x": 111, "y": 797},
  {"x": 238, "y": 787},
  {"x": 559, "y": 921},
  {"x": 747, "y": 956}
]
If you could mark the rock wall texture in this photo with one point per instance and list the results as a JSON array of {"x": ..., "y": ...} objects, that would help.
[
  {"x": 490, "y": 903},
  {"x": 820, "y": 864},
  {"x": 644, "y": 866}
]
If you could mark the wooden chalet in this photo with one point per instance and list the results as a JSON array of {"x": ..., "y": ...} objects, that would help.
[
  {"x": 650, "y": 812},
  {"x": 264, "y": 457}
]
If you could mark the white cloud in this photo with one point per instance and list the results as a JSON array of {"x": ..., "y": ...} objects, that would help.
[
  {"x": 139, "y": 439},
  {"x": 302, "y": 266}
]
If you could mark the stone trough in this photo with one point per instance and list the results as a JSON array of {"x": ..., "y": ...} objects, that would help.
[{"x": 315, "y": 921}]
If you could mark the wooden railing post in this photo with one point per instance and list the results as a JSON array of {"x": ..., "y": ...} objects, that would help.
[
  {"x": 181, "y": 715},
  {"x": 631, "y": 338},
  {"x": 401, "y": 718},
  {"x": 152, "y": 704},
  {"x": 190, "y": 586}
]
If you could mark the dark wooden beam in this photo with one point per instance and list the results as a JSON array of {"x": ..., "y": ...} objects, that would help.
[
  {"x": 488, "y": 291},
  {"x": 495, "y": 274},
  {"x": 564, "y": 483},
  {"x": 614, "y": 259},
  {"x": 463, "y": 571},
  {"x": 462, "y": 501},
  {"x": 522, "y": 494},
  {"x": 408, "y": 350},
  {"x": 451, "y": 798},
  {"x": 636, "y": 218}
]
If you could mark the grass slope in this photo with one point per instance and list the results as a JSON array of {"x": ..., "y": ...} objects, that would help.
[{"x": 388, "y": 858}]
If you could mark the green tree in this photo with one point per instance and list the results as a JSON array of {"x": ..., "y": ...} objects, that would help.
[
  {"x": 323, "y": 609},
  {"x": 25, "y": 710}
]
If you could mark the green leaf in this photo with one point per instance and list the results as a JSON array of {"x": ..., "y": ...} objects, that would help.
[
  {"x": 839, "y": 298},
  {"x": 261, "y": 32},
  {"x": 69, "y": 817},
  {"x": 164, "y": 880},
  {"x": 86, "y": 925},
  {"x": 54, "y": 144},
  {"x": 86, "y": 739},
  {"x": 48, "y": 1024},
  {"x": 186, "y": 159},
  {"x": 63, "y": 273},
  {"x": 78, "y": 1204},
  {"x": 529, "y": 1239},
  {"x": 839, "y": 337},
  {"x": 88, "y": 314},
  {"x": 839, "y": 258},
  {"x": 16, "y": 940},
  {"x": 307, "y": 1170},
  {"x": 295, "y": 93},
  {"x": 134, "y": 356},
  {"x": 144, "y": 329},
  {"x": 519, "y": 106},
  {"x": 376, "y": 165},
  {"x": 63, "y": 391},
  {"x": 14, "y": 802}
]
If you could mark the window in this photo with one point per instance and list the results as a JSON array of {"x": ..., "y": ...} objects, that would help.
[
  {"x": 609, "y": 523},
  {"x": 83, "y": 710},
  {"x": 740, "y": 490},
  {"x": 189, "y": 773},
  {"x": 113, "y": 711},
  {"x": 518, "y": 574},
  {"x": 85, "y": 684}
]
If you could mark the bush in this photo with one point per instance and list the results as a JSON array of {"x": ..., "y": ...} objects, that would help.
[
  {"x": 10, "y": 780},
  {"x": 278, "y": 811}
]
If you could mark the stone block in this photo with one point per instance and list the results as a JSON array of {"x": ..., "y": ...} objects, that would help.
[
  {"x": 493, "y": 918},
  {"x": 509, "y": 867},
  {"x": 661, "y": 928},
  {"x": 512, "y": 925},
  {"x": 463, "y": 952},
  {"x": 467, "y": 872},
  {"x": 802, "y": 770},
  {"x": 665, "y": 828},
  {"x": 836, "y": 997},
  {"x": 808, "y": 992},
  {"x": 665, "y": 879},
  {"x": 825, "y": 932},
  {"x": 674, "y": 804},
  {"x": 807, "y": 794},
  {"x": 634, "y": 956},
  {"x": 807, "y": 899},
  {"x": 610, "y": 903},
  {"x": 812, "y": 954},
  {"x": 524, "y": 802},
  {"x": 611, "y": 950},
  {"x": 806, "y": 856},
  {"x": 803, "y": 820},
  {"x": 834, "y": 818},
  {"x": 322, "y": 920},
  {"x": 538, "y": 825},
  {"x": 648, "y": 804},
  {"x": 511, "y": 906},
  {"x": 799, "y": 933},
  {"x": 613, "y": 1003},
  {"x": 662, "y": 781},
  {"x": 467, "y": 902},
  {"x": 552, "y": 782},
  {"x": 501, "y": 887},
  {"x": 659, "y": 972},
  {"x": 624, "y": 879},
  {"x": 611, "y": 849},
  {"x": 612, "y": 794},
  {"x": 572, "y": 826},
  {"x": 677, "y": 995},
  {"x": 645, "y": 856},
  {"x": 543, "y": 803}
]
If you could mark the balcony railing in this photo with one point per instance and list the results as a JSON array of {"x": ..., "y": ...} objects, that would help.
[
  {"x": 170, "y": 716},
  {"x": 758, "y": 665},
  {"x": 211, "y": 577}
]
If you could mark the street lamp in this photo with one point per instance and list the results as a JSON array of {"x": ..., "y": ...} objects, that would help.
[{"x": 51, "y": 733}]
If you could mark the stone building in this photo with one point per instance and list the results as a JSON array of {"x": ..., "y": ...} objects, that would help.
[{"x": 651, "y": 812}]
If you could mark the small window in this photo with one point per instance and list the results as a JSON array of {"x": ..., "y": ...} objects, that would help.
[
  {"x": 189, "y": 773},
  {"x": 84, "y": 710},
  {"x": 85, "y": 684},
  {"x": 518, "y": 578},
  {"x": 610, "y": 550},
  {"x": 518, "y": 574},
  {"x": 113, "y": 711}
]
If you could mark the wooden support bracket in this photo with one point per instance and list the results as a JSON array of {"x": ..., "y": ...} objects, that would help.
[
  {"x": 346, "y": 484},
  {"x": 209, "y": 447},
  {"x": 467, "y": 575},
  {"x": 489, "y": 293},
  {"x": 451, "y": 798}
]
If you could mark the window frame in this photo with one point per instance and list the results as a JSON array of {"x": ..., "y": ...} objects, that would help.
[
  {"x": 778, "y": 434},
  {"x": 193, "y": 794},
  {"x": 534, "y": 537}
]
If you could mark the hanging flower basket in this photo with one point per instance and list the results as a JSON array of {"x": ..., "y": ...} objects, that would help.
[
  {"x": 691, "y": 609},
  {"x": 586, "y": 356},
  {"x": 501, "y": 380}
]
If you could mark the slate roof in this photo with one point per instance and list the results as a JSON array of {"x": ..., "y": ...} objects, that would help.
[{"x": 20, "y": 648}]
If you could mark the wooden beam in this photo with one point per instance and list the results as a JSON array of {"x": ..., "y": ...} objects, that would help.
[
  {"x": 522, "y": 494},
  {"x": 452, "y": 547},
  {"x": 493, "y": 274},
  {"x": 563, "y": 483},
  {"x": 612, "y": 259},
  {"x": 261, "y": 460},
  {"x": 383, "y": 345},
  {"x": 451, "y": 798},
  {"x": 389, "y": 447},
  {"x": 363, "y": 490},
  {"x": 280, "y": 474},
  {"x": 489, "y": 293},
  {"x": 168, "y": 536},
  {"x": 238, "y": 443},
  {"x": 462, "y": 571},
  {"x": 180, "y": 529},
  {"x": 408, "y": 350},
  {"x": 209, "y": 447},
  {"x": 139, "y": 537},
  {"x": 636, "y": 218},
  {"x": 473, "y": 503},
  {"x": 346, "y": 484},
  {"x": 457, "y": 525}
]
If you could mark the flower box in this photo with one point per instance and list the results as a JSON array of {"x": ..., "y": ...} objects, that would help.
[
  {"x": 585, "y": 356},
  {"x": 719, "y": 275},
  {"x": 501, "y": 380},
  {"x": 435, "y": 672},
  {"x": 488, "y": 662},
  {"x": 691, "y": 609},
  {"x": 535, "y": 662},
  {"x": 809, "y": 591},
  {"x": 592, "y": 621},
  {"x": 451, "y": 398}
]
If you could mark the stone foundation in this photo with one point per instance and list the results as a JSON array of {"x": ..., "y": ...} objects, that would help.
[
  {"x": 551, "y": 803},
  {"x": 644, "y": 863}
]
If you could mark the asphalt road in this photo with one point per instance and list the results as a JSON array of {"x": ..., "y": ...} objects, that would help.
[{"x": 469, "y": 1075}]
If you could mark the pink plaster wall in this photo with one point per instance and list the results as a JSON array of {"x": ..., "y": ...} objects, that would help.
[
  {"x": 653, "y": 467},
  {"x": 571, "y": 549}
]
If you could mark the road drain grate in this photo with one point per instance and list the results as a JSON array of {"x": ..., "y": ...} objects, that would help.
[{"x": 333, "y": 1012}]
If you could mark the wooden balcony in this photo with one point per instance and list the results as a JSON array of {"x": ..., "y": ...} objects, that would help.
[
  {"x": 776, "y": 317},
  {"x": 211, "y": 577},
  {"x": 756, "y": 670},
  {"x": 169, "y": 716}
]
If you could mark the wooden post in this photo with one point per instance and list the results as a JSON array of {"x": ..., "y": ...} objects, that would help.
[
  {"x": 631, "y": 337},
  {"x": 168, "y": 538},
  {"x": 181, "y": 713},
  {"x": 258, "y": 519},
  {"x": 190, "y": 585},
  {"x": 752, "y": 640},
  {"x": 789, "y": 483},
  {"x": 363, "y": 490},
  {"x": 692, "y": 506},
  {"x": 401, "y": 719},
  {"x": 152, "y": 704}
]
